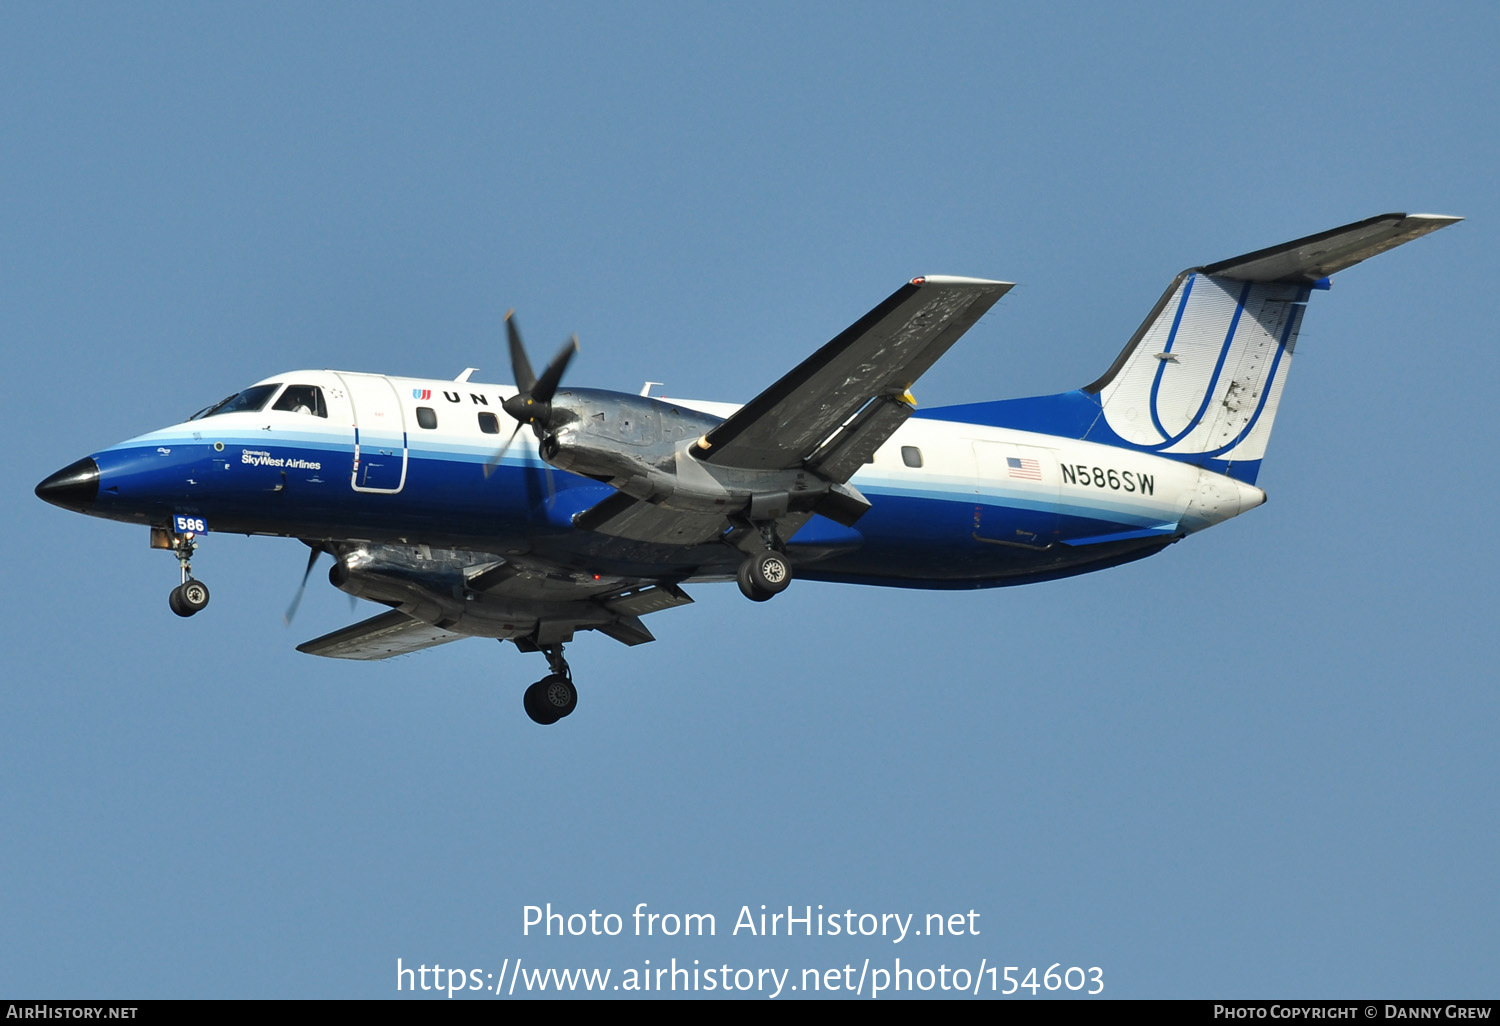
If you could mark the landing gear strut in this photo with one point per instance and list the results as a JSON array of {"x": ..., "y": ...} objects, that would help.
[
  {"x": 554, "y": 696},
  {"x": 191, "y": 595}
]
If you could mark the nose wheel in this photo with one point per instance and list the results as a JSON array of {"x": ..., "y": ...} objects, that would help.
[
  {"x": 188, "y": 597},
  {"x": 554, "y": 696}
]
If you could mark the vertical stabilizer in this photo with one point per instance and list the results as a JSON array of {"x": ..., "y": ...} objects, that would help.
[
  {"x": 1201, "y": 379},
  {"x": 1206, "y": 376}
]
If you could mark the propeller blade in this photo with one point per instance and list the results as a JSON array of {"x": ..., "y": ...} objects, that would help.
[
  {"x": 546, "y": 386},
  {"x": 291, "y": 610},
  {"x": 494, "y": 461},
  {"x": 520, "y": 366}
]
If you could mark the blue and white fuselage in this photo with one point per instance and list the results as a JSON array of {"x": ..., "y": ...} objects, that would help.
[
  {"x": 953, "y": 504},
  {"x": 529, "y": 512}
]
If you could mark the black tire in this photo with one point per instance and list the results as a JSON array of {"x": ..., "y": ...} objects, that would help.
[
  {"x": 764, "y": 575},
  {"x": 174, "y": 600},
  {"x": 558, "y": 694},
  {"x": 537, "y": 706},
  {"x": 747, "y": 584},
  {"x": 193, "y": 595}
]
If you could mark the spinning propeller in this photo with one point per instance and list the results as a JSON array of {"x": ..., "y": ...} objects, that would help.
[
  {"x": 291, "y": 610},
  {"x": 532, "y": 403},
  {"x": 318, "y": 548}
]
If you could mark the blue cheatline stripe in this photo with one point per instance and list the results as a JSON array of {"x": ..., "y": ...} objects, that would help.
[
  {"x": 1265, "y": 393},
  {"x": 1208, "y": 394},
  {"x": 1161, "y": 365}
]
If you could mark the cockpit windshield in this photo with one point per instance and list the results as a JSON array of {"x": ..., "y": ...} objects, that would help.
[{"x": 248, "y": 401}]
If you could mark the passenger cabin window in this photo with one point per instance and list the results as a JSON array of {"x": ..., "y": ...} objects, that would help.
[
  {"x": 248, "y": 401},
  {"x": 426, "y": 417},
  {"x": 911, "y": 455},
  {"x": 304, "y": 399},
  {"x": 489, "y": 424}
]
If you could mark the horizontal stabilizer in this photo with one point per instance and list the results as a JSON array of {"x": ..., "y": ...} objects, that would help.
[
  {"x": 1316, "y": 257},
  {"x": 380, "y": 637}
]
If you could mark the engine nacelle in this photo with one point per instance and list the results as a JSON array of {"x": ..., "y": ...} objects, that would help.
[{"x": 642, "y": 447}]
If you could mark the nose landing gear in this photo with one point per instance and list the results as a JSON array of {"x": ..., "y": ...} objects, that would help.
[
  {"x": 191, "y": 595},
  {"x": 554, "y": 696}
]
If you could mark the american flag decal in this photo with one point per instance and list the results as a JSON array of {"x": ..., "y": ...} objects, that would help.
[{"x": 1027, "y": 470}]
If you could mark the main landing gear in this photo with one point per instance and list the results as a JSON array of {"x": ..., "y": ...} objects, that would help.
[
  {"x": 554, "y": 696},
  {"x": 191, "y": 595},
  {"x": 765, "y": 574}
]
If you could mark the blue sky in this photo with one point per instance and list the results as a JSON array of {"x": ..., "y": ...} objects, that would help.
[{"x": 1260, "y": 764}]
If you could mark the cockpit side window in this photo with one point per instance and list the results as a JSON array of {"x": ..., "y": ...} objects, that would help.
[
  {"x": 307, "y": 399},
  {"x": 248, "y": 401}
]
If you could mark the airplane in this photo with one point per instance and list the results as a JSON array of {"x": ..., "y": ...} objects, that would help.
[{"x": 613, "y": 501}]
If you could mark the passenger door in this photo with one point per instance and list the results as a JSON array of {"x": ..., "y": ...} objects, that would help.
[{"x": 379, "y": 434}]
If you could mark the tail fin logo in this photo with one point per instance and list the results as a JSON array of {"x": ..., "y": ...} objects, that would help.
[{"x": 1206, "y": 377}]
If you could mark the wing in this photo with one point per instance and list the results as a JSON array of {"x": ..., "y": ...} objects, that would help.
[
  {"x": 871, "y": 364},
  {"x": 380, "y": 637},
  {"x": 623, "y": 516},
  {"x": 442, "y": 595}
]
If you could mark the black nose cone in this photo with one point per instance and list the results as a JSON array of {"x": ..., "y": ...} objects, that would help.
[{"x": 73, "y": 487}]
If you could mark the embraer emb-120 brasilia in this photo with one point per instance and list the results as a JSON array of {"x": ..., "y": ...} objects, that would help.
[{"x": 613, "y": 501}]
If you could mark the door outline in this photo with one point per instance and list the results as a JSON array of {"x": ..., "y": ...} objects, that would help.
[
  {"x": 989, "y": 459},
  {"x": 369, "y": 402}
]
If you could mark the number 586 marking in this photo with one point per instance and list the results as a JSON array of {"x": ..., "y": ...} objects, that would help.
[{"x": 189, "y": 525}]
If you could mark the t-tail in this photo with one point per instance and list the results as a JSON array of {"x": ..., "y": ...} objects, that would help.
[{"x": 1201, "y": 379}]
